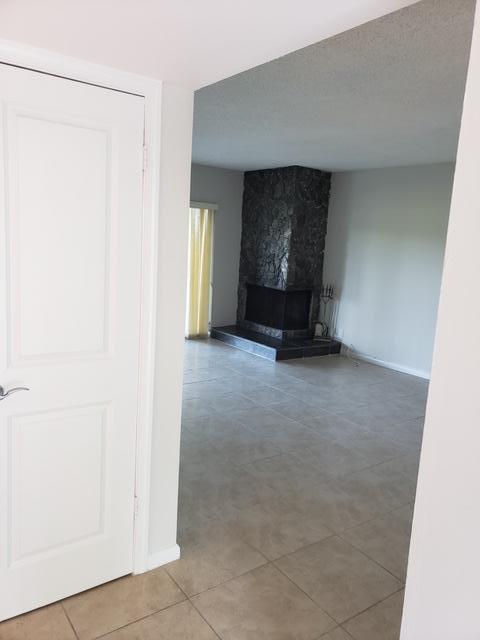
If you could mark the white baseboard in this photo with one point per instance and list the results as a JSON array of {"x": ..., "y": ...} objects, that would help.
[
  {"x": 391, "y": 365},
  {"x": 160, "y": 558}
]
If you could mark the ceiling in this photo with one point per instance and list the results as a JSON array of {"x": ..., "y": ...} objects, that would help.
[
  {"x": 388, "y": 93},
  {"x": 189, "y": 42}
]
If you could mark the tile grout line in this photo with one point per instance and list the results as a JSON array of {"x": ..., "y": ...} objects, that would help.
[
  {"x": 339, "y": 535},
  {"x": 245, "y": 573},
  {"x": 69, "y": 621},
  {"x": 149, "y": 615},
  {"x": 189, "y": 599},
  {"x": 224, "y": 582},
  {"x": 372, "y": 606},
  {"x": 306, "y": 594},
  {"x": 373, "y": 560},
  {"x": 273, "y": 562},
  {"x": 204, "y": 619}
]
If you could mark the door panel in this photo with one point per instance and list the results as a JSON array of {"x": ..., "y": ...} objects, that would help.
[
  {"x": 76, "y": 211},
  {"x": 36, "y": 471},
  {"x": 71, "y": 159}
]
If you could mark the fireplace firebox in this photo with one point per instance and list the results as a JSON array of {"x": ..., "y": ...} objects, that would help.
[{"x": 284, "y": 310}]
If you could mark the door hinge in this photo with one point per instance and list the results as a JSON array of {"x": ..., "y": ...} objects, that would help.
[
  {"x": 135, "y": 506},
  {"x": 145, "y": 158}
]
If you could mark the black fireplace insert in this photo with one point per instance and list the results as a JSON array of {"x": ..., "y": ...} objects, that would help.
[{"x": 285, "y": 310}]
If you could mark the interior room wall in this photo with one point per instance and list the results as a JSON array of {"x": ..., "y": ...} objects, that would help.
[
  {"x": 224, "y": 188},
  {"x": 384, "y": 255},
  {"x": 442, "y": 593}
]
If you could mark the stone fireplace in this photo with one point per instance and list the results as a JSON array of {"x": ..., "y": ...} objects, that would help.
[{"x": 284, "y": 224}]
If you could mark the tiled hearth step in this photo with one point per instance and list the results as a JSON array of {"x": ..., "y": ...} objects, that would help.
[{"x": 272, "y": 348}]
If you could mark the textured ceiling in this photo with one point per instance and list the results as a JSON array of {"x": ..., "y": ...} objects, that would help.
[
  {"x": 388, "y": 93},
  {"x": 189, "y": 42}
]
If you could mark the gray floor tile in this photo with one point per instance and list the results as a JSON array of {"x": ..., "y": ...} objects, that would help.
[
  {"x": 385, "y": 539},
  {"x": 180, "y": 622},
  {"x": 381, "y": 622},
  {"x": 47, "y": 623},
  {"x": 336, "y": 634},
  {"x": 276, "y": 527},
  {"x": 277, "y": 458},
  {"x": 211, "y": 557},
  {"x": 339, "y": 578},
  {"x": 262, "y": 604},
  {"x": 115, "y": 604}
]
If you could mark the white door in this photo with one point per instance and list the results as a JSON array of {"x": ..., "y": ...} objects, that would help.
[{"x": 70, "y": 260}]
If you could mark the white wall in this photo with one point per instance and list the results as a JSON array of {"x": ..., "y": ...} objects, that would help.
[
  {"x": 443, "y": 588},
  {"x": 175, "y": 159},
  {"x": 384, "y": 254},
  {"x": 225, "y": 188}
]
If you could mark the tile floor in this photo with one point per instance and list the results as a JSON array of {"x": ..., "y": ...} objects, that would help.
[{"x": 297, "y": 484}]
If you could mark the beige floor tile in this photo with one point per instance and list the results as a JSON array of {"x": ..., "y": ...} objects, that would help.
[
  {"x": 205, "y": 373},
  {"x": 242, "y": 446},
  {"x": 196, "y": 408},
  {"x": 374, "y": 415},
  {"x": 276, "y": 527},
  {"x": 403, "y": 470},
  {"x": 338, "y": 453},
  {"x": 48, "y": 623},
  {"x": 295, "y": 439},
  {"x": 385, "y": 539},
  {"x": 378, "y": 489},
  {"x": 375, "y": 447},
  {"x": 262, "y": 418},
  {"x": 339, "y": 578},
  {"x": 296, "y": 409},
  {"x": 266, "y": 395},
  {"x": 262, "y": 605},
  {"x": 381, "y": 622},
  {"x": 211, "y": 557},
  {"x": 201, "y": 461},
  {"x": 337, "y": 634},
  {"x": 220, "y": 492},
  {"x": 337, "y": 509},
  {"x": 334, "y": 459},
  {"x": 204, "y": 390},
  {"x": 285, "y": 473},
  {"x": 231, "y": 402},
  {"x": 333, "y": 425},
  {"x": 192, "y": 516},
  {"x": 180, "y": 622},
  {"x": 288, "y": 435},
  {"x": 115, "y": 604},
  {"x": 211, "y": 426}
]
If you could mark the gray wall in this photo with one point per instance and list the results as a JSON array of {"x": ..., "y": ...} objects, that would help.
[
  {"x": 224, "y": 188},
  {"x": 384, "y": 254}
]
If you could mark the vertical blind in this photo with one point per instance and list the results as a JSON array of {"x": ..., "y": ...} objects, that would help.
[{"x": 199, "y": 272}]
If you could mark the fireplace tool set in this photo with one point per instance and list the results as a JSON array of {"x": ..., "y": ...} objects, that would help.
[{"x": 322, "y": 329}]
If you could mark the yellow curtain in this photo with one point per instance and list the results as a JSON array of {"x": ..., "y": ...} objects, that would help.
[{"x": 199, "y": 272}]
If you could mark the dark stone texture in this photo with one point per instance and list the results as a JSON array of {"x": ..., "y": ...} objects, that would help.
[{"x": 284, "y": 223}]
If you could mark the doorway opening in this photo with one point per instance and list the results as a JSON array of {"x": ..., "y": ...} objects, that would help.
[{"x": 310, "y": 463}]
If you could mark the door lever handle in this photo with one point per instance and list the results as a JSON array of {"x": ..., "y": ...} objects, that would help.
[{"x": 4, "y": 394}]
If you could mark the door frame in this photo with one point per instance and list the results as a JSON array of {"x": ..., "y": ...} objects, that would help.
[{"x": 40, "y": 60}]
